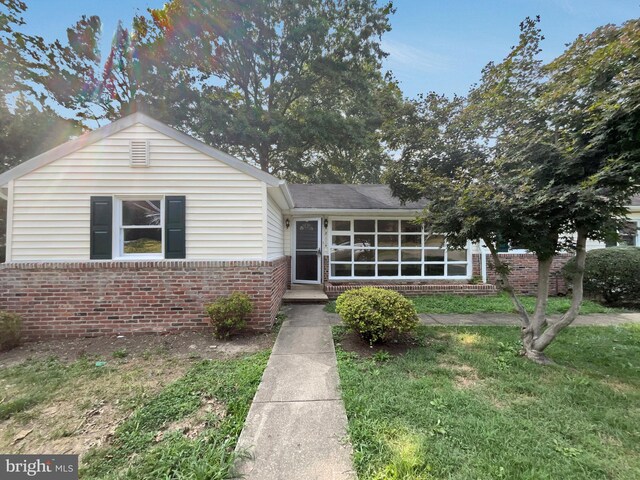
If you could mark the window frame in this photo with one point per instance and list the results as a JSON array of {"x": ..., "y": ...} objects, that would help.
[
  {"x": 422, "y": 248},
  {"x": 636, "y": 237},
  {"x": 118, "y": 228}
]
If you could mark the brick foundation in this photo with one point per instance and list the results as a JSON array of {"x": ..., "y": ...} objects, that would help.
[
  {"x": 104, "y": 298},
  {"x": 333, "y": 290}
]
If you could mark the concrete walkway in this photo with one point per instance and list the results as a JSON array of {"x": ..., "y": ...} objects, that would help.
[
  {"x": 512, "y": 319},
  {"x": 297, "y": 426}
]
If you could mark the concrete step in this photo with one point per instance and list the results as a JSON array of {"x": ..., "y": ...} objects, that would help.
[{"x": 305, "y": 294}]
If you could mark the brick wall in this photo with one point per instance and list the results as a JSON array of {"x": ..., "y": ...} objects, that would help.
[
  {"x": 102, "y": 298},
  {"x": 524, "y": 272},
  {"x": 280, "y": 281}
]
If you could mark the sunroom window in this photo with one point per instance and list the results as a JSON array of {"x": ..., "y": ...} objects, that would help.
[
  {"x": 383, "y": 248},
  {"x": 141, "y": 227}
]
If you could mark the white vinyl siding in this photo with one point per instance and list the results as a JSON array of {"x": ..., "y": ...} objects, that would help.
[
  {"x": 275, "y": 230},
  {"x": 224, "y": 212}
]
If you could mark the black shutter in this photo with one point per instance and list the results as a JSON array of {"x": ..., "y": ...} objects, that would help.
[
  {"x": 101, "y": 228},
  {"x": 174, "y": 227}
]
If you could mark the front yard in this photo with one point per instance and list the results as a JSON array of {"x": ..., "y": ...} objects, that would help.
[
  {"x": 461, "y": 404},
  {"x": 469, "y": 304},
  {"x": 138, "y": 407}
]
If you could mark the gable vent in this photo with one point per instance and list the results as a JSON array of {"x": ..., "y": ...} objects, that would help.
[{"x": 139, "y": 153}]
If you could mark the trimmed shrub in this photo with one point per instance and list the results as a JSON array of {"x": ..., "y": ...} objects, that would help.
[
  {"x": 611, "y": 275},
  {"x": 229, "y": 314},
  {"x": 376, "y": 314},
  {"x": 10, "y": 330}
]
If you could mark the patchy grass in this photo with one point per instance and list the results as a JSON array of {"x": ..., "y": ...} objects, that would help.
[
  {"x": 157, "y": 415},
  {"x": 492, "y": 304},
  {"x": 464, "y": 405},
  {"x": 32, "y": 383},
  {"x": 154, "y": 443}
]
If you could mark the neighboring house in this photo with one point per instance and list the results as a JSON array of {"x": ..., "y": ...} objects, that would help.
[{"x": 135, "y": 226}]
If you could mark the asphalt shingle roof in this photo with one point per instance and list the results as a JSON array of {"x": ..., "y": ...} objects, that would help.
[
  {"x": 347, "y": 197},
  {"x": 356, "y": 197}
]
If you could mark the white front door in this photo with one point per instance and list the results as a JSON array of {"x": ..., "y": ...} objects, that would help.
[{"x": 307, "y": 258}]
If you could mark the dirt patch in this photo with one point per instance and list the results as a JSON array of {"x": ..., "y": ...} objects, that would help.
[
  {"x": 180, "y": 345},
  {"x": 85, "y": 412},
  {"x": 619, "y": 387},
  {"x": 352, "y": 342},
  {"x": 466, "y": 375}
]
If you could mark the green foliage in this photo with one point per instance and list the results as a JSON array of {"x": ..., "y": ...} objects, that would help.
[
  {"x": 611, "y": 274},
  {"x": 120, "y": 353},
  {"x": 536, "y": 155},
  {"x": 455, "y": 409},
  {"x": 10, "y": 330},
  {"x": 376, "y": 314},
  {"x": 229, "y": 314},
  {"x": 293, "y": 86}
]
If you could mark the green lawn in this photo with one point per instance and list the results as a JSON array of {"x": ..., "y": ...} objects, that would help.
[
  {"x": 491, "y": 304},
  {"x": 465, "y": 406}
]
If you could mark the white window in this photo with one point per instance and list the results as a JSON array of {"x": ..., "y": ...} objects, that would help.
[
  {"x": 140, "y": 227},
  {"x": 384, "y": 248},
  {"x": 630, "y": 234}
]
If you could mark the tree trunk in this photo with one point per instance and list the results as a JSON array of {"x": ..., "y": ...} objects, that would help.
[
  {"x": 539, "y": 319},
  {"x": 537, "y": 333},
  {"x": 263, "y": 158},
  {"x": 552, "y": 331}
]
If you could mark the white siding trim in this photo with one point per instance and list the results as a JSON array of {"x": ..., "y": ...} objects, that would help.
[
  {"x": 275, "y": 227},
  {"x": 265, "y": 221},
  {"x": 9, "y": 233}
]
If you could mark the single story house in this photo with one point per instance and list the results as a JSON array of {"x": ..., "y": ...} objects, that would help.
[{"x": 135, "y": 226}]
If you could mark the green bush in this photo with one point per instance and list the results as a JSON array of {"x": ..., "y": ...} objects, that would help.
[
  {"x": 611, "y": 275},
  {"x": 10, "y": 330},
  {"x": 228, "y": 314},
  {"x": 376, "y": 314}
]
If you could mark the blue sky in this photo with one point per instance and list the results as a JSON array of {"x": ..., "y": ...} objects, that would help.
[{"x": 435, "y": 45}]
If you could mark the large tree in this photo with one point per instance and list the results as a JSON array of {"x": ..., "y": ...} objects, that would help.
[
  {"x": 98, "y": 87},
  {"x": 292, "y": 86},
  {"x": 543, "y": 156},
  {"x": 27, "y": 125}
]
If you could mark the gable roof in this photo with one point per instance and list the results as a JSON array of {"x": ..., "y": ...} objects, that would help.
[
  {"x": 126, "y": 122},
  {"x": 348, "y": 197}
]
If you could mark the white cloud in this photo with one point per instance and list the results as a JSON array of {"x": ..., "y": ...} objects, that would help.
[{"x": 403, "y": 56}]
